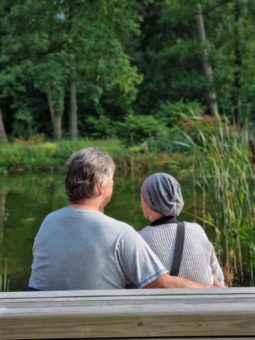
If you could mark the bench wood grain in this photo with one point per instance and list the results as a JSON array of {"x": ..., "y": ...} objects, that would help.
[{"x": 132, "y": 314}]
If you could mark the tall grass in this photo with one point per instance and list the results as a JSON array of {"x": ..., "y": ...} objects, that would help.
[
  {"x": 225, "y": 173},
  {"x": 4, "y": 279}
]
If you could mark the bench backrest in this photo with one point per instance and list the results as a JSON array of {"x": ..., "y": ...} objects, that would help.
[{"x": 148, "y": 313}]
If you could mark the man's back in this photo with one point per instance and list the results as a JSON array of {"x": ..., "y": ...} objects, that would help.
[{"x": 81, "y": 249}]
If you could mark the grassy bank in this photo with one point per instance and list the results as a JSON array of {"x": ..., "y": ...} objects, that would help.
[
  {"x": 51, "y": 156},
  {"x": 20, "y": 157}
]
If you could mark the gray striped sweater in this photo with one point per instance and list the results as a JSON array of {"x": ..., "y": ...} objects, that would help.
[{"x": 199, "y": 262}]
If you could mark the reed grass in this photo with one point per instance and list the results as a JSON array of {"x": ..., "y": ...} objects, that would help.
[{"x": 224, "y": 171}]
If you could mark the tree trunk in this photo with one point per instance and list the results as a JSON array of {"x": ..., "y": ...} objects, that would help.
[
  {"x": 237, "y": 65},
  {"x": 56, "y": 120},
  {"x": 3, "y": 194},
  {"x": 58, "y": 127},
  {"x": 73, "y": 121},
  {"x": 3, "y": 137},
  {"x": 206, "y": 64}
]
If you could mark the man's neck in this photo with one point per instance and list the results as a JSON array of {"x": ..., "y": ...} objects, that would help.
[{"x": 91, "y": 204}]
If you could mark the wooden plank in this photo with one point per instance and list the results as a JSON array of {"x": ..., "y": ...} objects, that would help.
[
  {"x": 138, "y": 294},
  {"x": 179, "y": 338},
  {"x": 132, "y": 292},
  {"x": 200, "y": 338},
  {"x": 147, "y": 313}
]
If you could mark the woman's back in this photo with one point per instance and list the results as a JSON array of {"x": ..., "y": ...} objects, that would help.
[{"x": 199, "y": 262}]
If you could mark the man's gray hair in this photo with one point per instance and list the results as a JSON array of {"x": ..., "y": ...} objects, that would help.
[{"x": 85, "y": 169}]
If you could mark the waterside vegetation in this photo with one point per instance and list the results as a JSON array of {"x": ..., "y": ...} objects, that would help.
[{"x": 223, "y": 169}]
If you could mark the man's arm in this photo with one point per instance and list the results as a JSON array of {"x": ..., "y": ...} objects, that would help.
[
  {"x": 140, "y": 263},
  {"x": 167, "y": 281}
]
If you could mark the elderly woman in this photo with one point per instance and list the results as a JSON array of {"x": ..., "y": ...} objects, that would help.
[{"x": 187, "y": 253}]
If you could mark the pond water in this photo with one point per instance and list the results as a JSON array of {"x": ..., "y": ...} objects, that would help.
[{"x": 26, "y": 199}]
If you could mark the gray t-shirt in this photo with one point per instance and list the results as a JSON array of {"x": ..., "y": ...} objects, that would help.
[{"x": 81, "y": 249}]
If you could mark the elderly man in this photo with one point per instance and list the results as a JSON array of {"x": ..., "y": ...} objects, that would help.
[{"x": 79, "y": 247}]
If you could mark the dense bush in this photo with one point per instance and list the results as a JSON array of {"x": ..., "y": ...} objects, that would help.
[
  {"x": 136, "y": 129},
  {"x": 171, "y": 113},
  {"x": 100, "y": 127}
]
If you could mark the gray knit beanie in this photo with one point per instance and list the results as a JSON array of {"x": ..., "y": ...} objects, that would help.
[{"x": 162, "y": 193}]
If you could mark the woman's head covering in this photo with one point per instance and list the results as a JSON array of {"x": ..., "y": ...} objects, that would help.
[{"x": 162, "y": 193}]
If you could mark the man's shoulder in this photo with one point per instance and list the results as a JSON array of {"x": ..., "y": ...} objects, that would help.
[
  {"x": 120, "y": 224},
  {"x": 57, "y": 213}
]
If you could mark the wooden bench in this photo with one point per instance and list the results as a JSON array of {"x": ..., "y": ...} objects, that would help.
[{"x": 130, "y": 314}]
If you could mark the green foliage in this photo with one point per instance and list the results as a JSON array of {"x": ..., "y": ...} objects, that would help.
[
  {"x": 23, "y": 125},
  {"x": 171, "y": 113},
  {"x": 233, "y": 38},
  {"x": 170, "y": 58},
  {"x": 122, "y": 57},
  {"x": 169, "y": 140},
  {"x": 50, "y": 77},
  {"x": 100, "y": 127},
  {"x": 137, "y": 128},
  {"x": 76, "y": 41}
]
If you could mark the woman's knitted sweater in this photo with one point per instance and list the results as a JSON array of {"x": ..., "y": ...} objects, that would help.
[{"x": 199, "y": 262}]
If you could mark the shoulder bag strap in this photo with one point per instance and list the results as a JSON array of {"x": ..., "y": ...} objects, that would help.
[{"x": 178, "y": 249}]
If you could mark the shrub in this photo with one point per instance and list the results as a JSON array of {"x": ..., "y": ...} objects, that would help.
[
  {"x": 169, "y": 140},
  {"x": 23, "y": 125},
  {"x": 171, "y": 113},
  {"x": 100, "y": 127},
  {"x": 137, "y": 128}
]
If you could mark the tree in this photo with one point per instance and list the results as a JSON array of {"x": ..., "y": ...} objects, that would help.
[
  {"x": 95, "y": 35},
  {"x": 234, "y": 39},
  {"x": 206, "y": 64},
  {"x": 31, "y": 43},
  {"x": 170, "y": 55},
  {"x": 237, "y": 62},
  {"x": 86, "y": 58},
  {"x": 75, "y": 48}
]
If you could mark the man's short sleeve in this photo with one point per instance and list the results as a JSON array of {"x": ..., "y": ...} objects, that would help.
[{"x": 139, "y": 263}]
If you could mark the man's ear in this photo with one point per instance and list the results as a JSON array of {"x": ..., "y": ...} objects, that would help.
[{"x": 100, "y": 188}]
